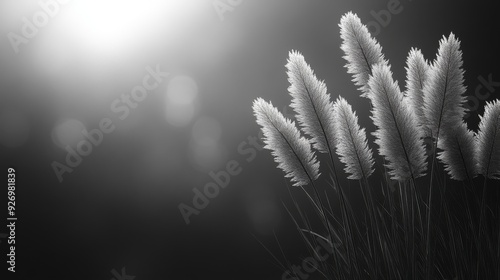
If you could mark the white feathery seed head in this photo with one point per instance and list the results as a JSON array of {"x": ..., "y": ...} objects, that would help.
[
  {"x": 398, "y": 140},
  {"x": 444, "y": 91},
  {"x": 488, "y": 142},
  {"x": 291, "y": 151},
  {"x": 458, "y": 152},
  {"x": 352, "y": 145},
  {"x": 311, "y": 102},
  {"x": 361, "y": 50},
  {"x": 417, "y": 73}
]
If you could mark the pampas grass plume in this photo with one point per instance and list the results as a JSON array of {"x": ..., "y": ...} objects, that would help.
[
  {"x": 291, "y": 151},
  {"x": 361, "y": 50},
  {"x": 488, "y": 141},
  {"x": 398, "y": 140},
  {"x": 444, "y": 91},
  {"x": 417, "y": 73},
  {"x": 311, "y": 102},
  {"x": 458, "y": 152},
  {"x": 352, "y": 145}
]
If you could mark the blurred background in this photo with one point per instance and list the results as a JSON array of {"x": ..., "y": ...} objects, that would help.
[{"x": 65, "y": 70}]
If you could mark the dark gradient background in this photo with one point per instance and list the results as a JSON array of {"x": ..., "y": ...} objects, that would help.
[{"x": 119, "y": 207}]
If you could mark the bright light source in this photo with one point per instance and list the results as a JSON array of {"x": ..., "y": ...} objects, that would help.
[{"x": 113, "y": 27}]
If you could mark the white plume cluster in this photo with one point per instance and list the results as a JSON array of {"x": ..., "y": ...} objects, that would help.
[
  {"x": 361, "y": 50},
  {"x": 291, "y": 151},
  {"x": 311, "y": 102},
  {"x": 430, "y": 108},
  {"x": 400, "y": 143},
  {"x": 352, "y": 145}
]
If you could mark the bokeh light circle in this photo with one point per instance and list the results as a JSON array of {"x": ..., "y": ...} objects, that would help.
[
  {"x": 68, "y": 132},
  {"x": 182, "y": 90},
  {"x": 178, "y": 115}
]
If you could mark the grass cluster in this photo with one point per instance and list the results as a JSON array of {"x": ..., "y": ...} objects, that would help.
[{"x": 427, "y": 212}]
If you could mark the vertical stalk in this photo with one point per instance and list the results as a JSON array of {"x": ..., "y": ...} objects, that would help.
[{"x": 480, "y": 228}]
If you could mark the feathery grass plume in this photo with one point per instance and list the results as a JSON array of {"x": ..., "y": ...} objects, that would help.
[
  {"x": 444, "y": 91},
  {"x": 458, "y": 155},
  {"x": 398, "y": 140},
  {"x": 417, "y": 73},
  {"x": 291, "y": 151},
  {"x": 311, "y": 102},
  {"x": 352, "y": 145},
  {"x": 361, "y": 50},
  {"x": 488, "y": 141}
]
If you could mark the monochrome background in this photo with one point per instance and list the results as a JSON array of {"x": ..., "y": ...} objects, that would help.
[{"x": 119, "y": 206}]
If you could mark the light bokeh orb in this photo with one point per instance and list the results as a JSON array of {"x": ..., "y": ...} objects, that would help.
[
  {"x": 181, "y": 100},
  {"x": 182, "y": 90},
  {"x": 68, "y": 132},
  {"x": 179, "y": 115}
]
